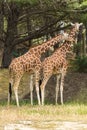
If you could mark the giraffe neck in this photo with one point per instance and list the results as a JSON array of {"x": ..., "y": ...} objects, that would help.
[
  {"x": 65, "y": 48},
  {"x": 73, "y": 33},
  {"x": 38, "y": 50}
]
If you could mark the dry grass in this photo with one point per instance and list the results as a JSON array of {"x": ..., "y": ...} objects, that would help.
[{"x": 68, "y": 112}]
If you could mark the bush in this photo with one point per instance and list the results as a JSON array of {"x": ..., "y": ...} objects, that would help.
[{"x": 80, "y": 64}]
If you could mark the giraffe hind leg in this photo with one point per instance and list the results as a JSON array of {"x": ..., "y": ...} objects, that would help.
[
  {"x": 61, "y": 88},
  {"x": 15, "y": 87}
]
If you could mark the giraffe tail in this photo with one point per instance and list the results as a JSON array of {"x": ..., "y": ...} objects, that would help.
[
  {"x": 10, "y": 87},
  {"x": 40, "y": 82},
  {"x": 10, "y": 91}
]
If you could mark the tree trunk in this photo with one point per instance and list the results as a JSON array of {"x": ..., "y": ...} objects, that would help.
[
  {"x": 84, "y": 42},
  {"x": 1, "y": 30},
  {"x": 7, "y": 53},
  {"x": 79, "y": 49},
  {"x": 28, "y": 27},
  {"x": 11, "y": 32},
  {"x": 86, "y": 38},
  {"x": 1, "y": 25},
  {"x": 7, "y": 56}
]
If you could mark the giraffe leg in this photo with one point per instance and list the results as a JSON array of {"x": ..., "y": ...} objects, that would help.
[
  {"x": 15, "y": 87},
  {"x": 37, "y": 86},
  {"x": 61, "y": 88},
  {"x": 37, "y": 91},
  {"x": 31, "y": 88},
  {"x": 57, "y": 87},
  {"x": 40, "y": 82},
  {"x": 44, "y": 82}
]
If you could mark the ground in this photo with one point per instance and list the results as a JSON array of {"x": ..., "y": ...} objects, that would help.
[
  {"x": 75, "y": 87},
  {"x": 74, "y": 108}
]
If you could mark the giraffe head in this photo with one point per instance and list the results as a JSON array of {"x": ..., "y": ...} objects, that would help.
[
  {"x": 76, "y": 26},
  {"x": 75, "y": 31}
]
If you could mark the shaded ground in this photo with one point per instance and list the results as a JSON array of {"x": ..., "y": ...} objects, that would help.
[{"x": 75, "y": 87}]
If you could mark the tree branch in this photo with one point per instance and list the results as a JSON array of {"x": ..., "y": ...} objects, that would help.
[{"x": 38, "y": 33}]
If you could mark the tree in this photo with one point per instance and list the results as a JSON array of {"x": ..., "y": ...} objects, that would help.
[
  {"x": 15, "y": 14},
  {"x": 1, "y": 24},
  {"x": 26, "y": 21},
  {"x": 12, "y": 18}
]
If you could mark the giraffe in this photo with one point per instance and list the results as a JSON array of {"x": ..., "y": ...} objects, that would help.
[
  {"x": 29, "y": 62},
  {"x": 57, "y": 64}
]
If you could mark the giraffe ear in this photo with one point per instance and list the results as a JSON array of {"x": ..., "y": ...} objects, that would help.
[
  {"x": 80, "y": 24},
  {"x": 72, "y": 24}
]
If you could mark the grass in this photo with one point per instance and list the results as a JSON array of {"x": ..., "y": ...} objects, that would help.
[{"x": 69, "y": 111}]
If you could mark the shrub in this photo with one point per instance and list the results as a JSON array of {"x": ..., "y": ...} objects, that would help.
[{"x": 80, "y": 64}]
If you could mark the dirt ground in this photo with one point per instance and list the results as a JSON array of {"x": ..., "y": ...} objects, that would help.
[{"x": 75, "y": 87}]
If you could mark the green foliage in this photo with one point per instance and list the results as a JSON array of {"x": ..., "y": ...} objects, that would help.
[
  {"x": 84, "y": 3},
  {"x": 31, "y": 2},
  {"x": 80, "y": 64},
  {"x": 83, "y": 18}
]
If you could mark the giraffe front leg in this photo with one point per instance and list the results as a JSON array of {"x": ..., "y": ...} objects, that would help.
[
  {"x": 42, "y": 87},
  {"x": 31, "y": 88},
  {"x": 61, "y": 88},
  {"x": 57, "y": 87},
  {"x": 37, "y": 91},
  {"x": 42, "y": 93},
  {"x": 37, "y": 86}
]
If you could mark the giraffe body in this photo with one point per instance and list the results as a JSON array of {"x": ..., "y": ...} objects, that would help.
[
  {"x": 30, "y": 62},
  {"x": 57, "y": 64}
]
